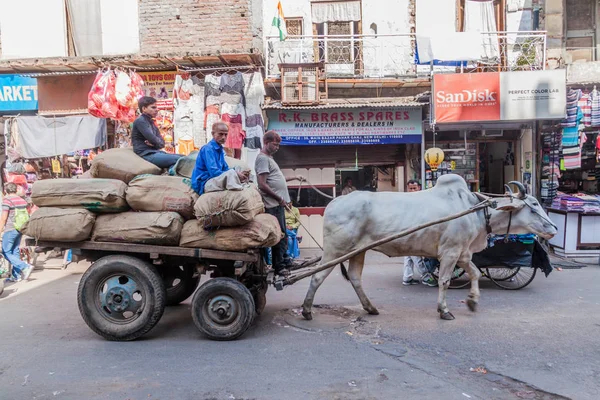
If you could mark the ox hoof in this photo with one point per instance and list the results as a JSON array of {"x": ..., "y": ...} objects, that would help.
[
  {"x": 372, "y": 311},
  {"x": 307, "y": 315},
  {"x": 447, "y": 316},
  {"x": 472, "y": 304}
]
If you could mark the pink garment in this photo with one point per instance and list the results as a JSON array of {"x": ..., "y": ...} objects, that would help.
[{"x": 236, "y": 136}]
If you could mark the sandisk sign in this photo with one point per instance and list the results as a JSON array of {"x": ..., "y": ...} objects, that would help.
[{"x": 499, "y": 96}]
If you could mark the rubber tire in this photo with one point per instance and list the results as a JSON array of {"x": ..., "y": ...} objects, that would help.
[
  {"x": 237, "y": 291},
  {"x": 506, "y": 284},
  {"x": 144, "y": 274},
  {"x": 1, "y": 285},
  {"x": 184, "y": 289}
]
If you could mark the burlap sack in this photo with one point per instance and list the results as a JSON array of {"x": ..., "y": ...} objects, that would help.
[
  {"x": 159, "y": 228},
  {"x": 162, "y": 193},
  {"x": 229, "y": 208},
  {"x": 121, "y": 164},
  {"x": 98, "y": 195},
  {"x": 263, "y": 231},
  {"x": 60, "y": 224}
]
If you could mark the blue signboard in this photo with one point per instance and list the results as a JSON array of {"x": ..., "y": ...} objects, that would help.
[
  {"x": 352, "y": 126},
  {"x": 18, "y": 93}
]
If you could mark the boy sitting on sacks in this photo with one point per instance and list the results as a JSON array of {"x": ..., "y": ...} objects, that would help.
[{"x": 212, "y": 173}]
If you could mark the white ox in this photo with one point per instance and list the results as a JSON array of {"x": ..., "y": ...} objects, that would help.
[{"x": 356, "y": 220}]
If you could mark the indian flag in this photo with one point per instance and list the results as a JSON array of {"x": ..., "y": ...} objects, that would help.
[{"x": 279, "y": 22}]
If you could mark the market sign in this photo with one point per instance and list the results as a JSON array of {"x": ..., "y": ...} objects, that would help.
[
  {"x": 347, "y": 126},
  {"x": 160, "y": 84},
  {"x": 499, "y": 96},
  {"x": 18, "y": 93}
]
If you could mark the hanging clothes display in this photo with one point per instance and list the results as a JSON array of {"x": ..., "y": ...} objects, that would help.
[
  {"x": 255, "y": 97},
  {"x": 595, "y": 107},
  {"x": 197, "y": 108},
  {"x": 212, "y": 115},
  {"x": 585, "y": 105}
]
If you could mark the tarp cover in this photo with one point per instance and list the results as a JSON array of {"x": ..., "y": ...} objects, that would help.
[{"x": 48, "y": 137}]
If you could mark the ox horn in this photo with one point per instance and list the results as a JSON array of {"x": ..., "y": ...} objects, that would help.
[
  {"x": 509, "y": 190},
  {"x": 522, "y": 191}
]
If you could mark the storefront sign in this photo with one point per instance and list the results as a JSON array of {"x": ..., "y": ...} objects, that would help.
[
  {"x": 350, "y": 126},
  {"x": 160, "y": 85},
  {"x": 499, "y": 96},
  {"x": 18, "y": 93}
]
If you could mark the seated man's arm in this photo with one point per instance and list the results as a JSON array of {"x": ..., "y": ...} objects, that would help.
[{"x": 146, "y": 130}]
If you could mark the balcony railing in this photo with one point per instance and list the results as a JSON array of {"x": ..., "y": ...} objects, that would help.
[{"x": 393, "y": 56}]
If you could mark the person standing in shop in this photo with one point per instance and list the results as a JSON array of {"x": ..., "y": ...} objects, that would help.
[
  {"x": 412, "y": 262},
  {"x": 14, "y": 208},
  {"x": 272, "y": 185},
  {"x": 349, "y": 187},
  {"x": 146, "y": 139}
]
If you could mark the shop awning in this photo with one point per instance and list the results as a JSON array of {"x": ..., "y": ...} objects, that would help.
[
  {"x": 409, "y": 101},
  {"x": 159, "y": 62}
]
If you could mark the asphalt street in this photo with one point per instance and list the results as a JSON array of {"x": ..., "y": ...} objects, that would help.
[{"x": 540, "y": 342}]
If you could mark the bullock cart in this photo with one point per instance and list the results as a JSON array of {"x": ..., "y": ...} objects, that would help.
[{"x": 123, "y": 294}]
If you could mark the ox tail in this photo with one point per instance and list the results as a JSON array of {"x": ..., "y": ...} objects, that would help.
[{"x": 344, "y": 272}]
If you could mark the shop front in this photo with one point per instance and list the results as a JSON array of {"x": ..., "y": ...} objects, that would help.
[
  {"x": 341, "y": 148},
  {"x": 487, "y": 126},
  {"x": 570, "y": 174}
]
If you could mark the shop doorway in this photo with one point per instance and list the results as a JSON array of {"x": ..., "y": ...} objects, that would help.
[
  {"x": 382, "y": 178},
  {"x": 496, "y": 165}
]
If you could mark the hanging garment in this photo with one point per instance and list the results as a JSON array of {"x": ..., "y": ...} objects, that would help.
[
  {"x": 254, "y": 131},
  {"x": 236, "y": 136},
  {"x": 212, "y": 116},
  {"x": 233, "y": 83},
  {"x": 196, "y": 104},
  {"x": 182, "y": 122},
  {"x": 185, "y": 147},
  {"x": 254, "y": 86},
  {"x": 212, "y": 85},
  {"x": 234, "y": 110},
  {"x": 213, "y": 100},
  {"x": 595, "y": 106},
  {"x": 183, "y": 88},
  {"x": 585, "y": 105}
]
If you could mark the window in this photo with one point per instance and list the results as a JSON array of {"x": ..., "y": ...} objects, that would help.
[
  {"x": 580, "y": 29},
  {"x": 294, "y": 26}
]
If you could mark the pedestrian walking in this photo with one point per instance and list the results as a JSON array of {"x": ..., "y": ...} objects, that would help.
[{"x": 13, "y": 219}]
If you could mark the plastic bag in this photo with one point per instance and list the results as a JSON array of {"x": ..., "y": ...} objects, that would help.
[
  {"x": 123, "y": 90},
  {"x": 102, "y": 102}
]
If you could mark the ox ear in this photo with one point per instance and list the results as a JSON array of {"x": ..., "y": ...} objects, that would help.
[{"x": 515, "y": 205}]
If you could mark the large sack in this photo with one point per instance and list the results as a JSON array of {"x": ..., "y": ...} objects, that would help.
[
  {"x": 160, "y": 228},
  {"x": 229, "y": 207},
  {"x": 162, "y": 193},
  {"x": 60, "y": 224},
  {"x": 98, "y": 195},
  {"x": 262, "y": 231},
  {"x": 121, "y": 164},
  {"x": 185, "y": 165}
]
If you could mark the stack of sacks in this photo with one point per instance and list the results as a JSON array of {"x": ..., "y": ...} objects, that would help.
[
  {"x": 68, "y": 207},
  {"x": 73, "y": 210},
  {"x": 231, "y": 221}
]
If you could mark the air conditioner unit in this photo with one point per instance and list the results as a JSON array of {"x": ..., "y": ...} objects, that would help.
[
  {"x": 300, "y": 83},
  {"x": 492, "y": 132}
]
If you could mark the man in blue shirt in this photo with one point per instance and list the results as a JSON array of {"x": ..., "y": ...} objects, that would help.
[
  {"x": 211, "y": 163},
  {"x": 146, "y": 138}
]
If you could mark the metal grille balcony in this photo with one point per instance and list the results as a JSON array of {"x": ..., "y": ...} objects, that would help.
[{"x": 393, "y": 56}]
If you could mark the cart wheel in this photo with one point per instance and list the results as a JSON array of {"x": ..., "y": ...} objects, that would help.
[
  {"x": 180, "y": 283},
  {"x": 223, "y": 309},
  {"x": 121, "y": 297},
  {"x": 260, "y": 298},
  {"x": 1, "y": 285},
  {"x": 521, "y": 278},
  {"x": 458, "y": 278},
  {"x": 501, "y": 274}
]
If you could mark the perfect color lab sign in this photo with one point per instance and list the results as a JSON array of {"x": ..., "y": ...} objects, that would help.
[
  {"x": 499, "y": 96},
  {"x": 18, "y": 93}
]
